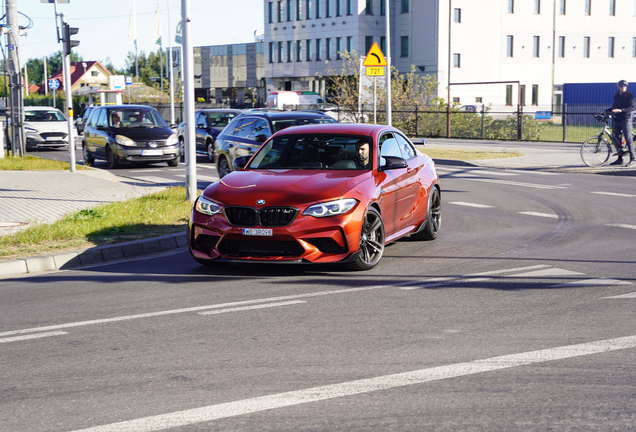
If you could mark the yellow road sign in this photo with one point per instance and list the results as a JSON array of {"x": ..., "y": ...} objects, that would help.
[
  {"x": 375, "y": 71},
  {"x": 375, "y": 57}
]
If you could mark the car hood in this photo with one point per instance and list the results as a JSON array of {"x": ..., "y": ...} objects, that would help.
[
  {"x": 52, "y": 126},
  {"x": 292, "y": 187}
]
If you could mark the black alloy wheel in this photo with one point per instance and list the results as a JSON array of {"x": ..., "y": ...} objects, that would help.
[{"x": 371, "y": 241}]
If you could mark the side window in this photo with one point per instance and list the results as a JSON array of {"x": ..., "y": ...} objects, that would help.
[
  {"x": 94, "y": 117},
  {"x": 408, "y": 152},
  {"x": 261, "y": 128},
  {"x": 246, "y": 128},
  {"x": 102, "y": 120},
  {"x": 199, "y": 119},
  {"x": 389, "y": 146},
  {"x": 235, "y": 127}
]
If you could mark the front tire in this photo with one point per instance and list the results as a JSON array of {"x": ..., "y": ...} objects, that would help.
[
  {"x": 223, "y": 167},
  {"x": 595, "y": 151},
  {"x": 111, "y": 160},
  {"x": 371, "y": 241},
  {"x": 433, "y": 217},
  {"x": 173, "y": 163},
  {"x": 88, "y": 158},
  {"x": 210, "y": 149}
]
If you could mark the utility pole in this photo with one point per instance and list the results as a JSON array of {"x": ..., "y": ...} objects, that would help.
[
  {"x": 188, "y": 100},
  {"x": 12, "y": 65},
  {"x": 67, "y": 32}
]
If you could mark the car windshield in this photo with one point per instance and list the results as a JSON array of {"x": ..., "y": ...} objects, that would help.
[
  {"x": 220, "y": 119},
  {"x": 285, "y": 123},
  {"x": 316, "y": 151},
  {"x": 135, "y": 118},
  {"x": 43, "y": 116}
]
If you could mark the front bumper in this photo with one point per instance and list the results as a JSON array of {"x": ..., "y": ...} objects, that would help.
[
  {"x": 46, "y": 139},
  {"x": 306, "y": 239},
  {"x": 140, "y": 154}
]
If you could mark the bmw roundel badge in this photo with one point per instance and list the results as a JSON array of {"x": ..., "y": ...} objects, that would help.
[{"x": 260, "y": 202}]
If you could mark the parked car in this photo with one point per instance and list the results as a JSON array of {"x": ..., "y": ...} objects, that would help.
[
  {"x": 45, "y": 127},
  {"x": 80, "y": 121},
  {"x": 209, "y": 123},
  {"x": 245, "y": 134},
  {"x": 309, "y": 195},
  {"x": 123, "y": 134}
]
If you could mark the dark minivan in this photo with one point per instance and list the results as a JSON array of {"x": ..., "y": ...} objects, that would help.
[{"x": 124, "y": 134}]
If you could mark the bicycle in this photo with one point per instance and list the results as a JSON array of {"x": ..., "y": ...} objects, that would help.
[{"x": 596, "y": 150}]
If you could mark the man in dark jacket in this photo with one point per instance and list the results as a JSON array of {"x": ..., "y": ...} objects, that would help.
[{"x": 622, "y": 108}]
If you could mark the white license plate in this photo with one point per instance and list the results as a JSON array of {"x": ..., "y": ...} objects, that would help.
[
  {"x": 257, "y": 232},
  {"x": 152, "y": 152}
]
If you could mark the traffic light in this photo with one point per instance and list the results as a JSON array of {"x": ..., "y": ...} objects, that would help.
[{"x": 68, "y": 43}]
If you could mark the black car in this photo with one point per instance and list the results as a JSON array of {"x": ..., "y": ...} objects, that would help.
[
  {"x": 80, "y": 121},
  {"x": 247, "y": 132},
  {"x": 123, "y": 134},
  {"x": 209, "y": 123}
]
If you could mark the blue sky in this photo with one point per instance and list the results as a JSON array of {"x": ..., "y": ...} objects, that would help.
[{"x": 103, "y": 25}]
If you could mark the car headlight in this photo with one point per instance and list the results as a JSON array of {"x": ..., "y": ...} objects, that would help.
[
  {"x": 331, "y": 208},
  {"x": 28, "y": 129},
  {"x": 125, "y": 141},
  {"x": 207, "y": 207},
  {"x": 172, "y": 140}
]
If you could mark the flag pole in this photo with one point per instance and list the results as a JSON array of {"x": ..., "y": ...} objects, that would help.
[{"x": 169, "y": 65}]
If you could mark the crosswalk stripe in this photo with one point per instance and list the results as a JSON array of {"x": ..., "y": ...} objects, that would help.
[
  {"x": 467, "y": 204},
  {"x": 623, "y": 226}
]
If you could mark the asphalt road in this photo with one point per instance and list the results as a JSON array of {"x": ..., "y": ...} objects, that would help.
[{"x": 520, "y": 316}]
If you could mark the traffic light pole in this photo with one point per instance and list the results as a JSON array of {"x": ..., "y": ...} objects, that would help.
[
  {"x": 16, "y": 130},
  {"x": 67, "y": 88}
]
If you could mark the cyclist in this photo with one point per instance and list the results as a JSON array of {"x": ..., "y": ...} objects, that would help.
[{"x": 622, "y": 108}]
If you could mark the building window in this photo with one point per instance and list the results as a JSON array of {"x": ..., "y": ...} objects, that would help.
[
  {"x": 369, "y": 7},
  {"x": 633, "y": 47},
  {"x": 509, "y": 95},
  {"x": 456, "y": 100},
  {"x": 328, "y": 47},
  {"x": 280, "y": 11},
  {"x": 338, "y": 7},
  {"x": 318, "y": 49},
  {"x": 586, "y": 47},
  {"x": 610, "y": 47},
  {"x": 289, "y": 10},
  {"x": 511, "y": 6},
  {"x": 299, "y": 10},
  {"x": 537, "y": 6},
  {"x": 383, "y": 44},
  {"x": 405, "y": 6},
  {"x": 308, "y": 49},
  {"x": 349, "y": 7},
  {"x": 522, "y": 95},
  {"x": 308, "y": 8},
  {"x": 328, "y": 8},
  {"x": 350, "y": 44},
  {"x": 478, "y": 100},
  {"x": 280, "y": 52},
  {"x": 271, "y": 52},
  {"x": 561, "y": 46},
  {"x": 299, "y": 51},
  {"x": 318, "y": 10},
  {"x": 457, "y": 60},
  {"x": 289, "y": 51},
  {"x": 588, "y": 7},
  {"x": 535, "y": 94},
  {"x": 561, "y": 7},
  {"x": 338, "y": 48},
  {"x": 612, "y": 7},
  {"x": 509, "y": 43},
  {"x": 535, "y": 46},
  {"x": 270, "y": 12},
  {"x": 457, "y": 15},
  {"x": 382, "y": 7},
  {"x": 404, "y": 46},
  {"x": 368, "y": 42}
]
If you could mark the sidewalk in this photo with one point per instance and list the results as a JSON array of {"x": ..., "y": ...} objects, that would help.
[{"x": 31, "y": 197}]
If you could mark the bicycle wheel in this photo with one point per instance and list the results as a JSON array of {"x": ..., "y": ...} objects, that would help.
[{"x": 595, "y": 151}]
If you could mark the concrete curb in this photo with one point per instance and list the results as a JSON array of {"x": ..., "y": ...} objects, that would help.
[{"x": 102, "y": 254}]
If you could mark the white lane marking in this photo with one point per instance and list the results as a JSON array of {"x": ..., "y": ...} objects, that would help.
[
  {"x": 362, "y": 386},
  {"x": 547, "y": 272},
  {"x": 593, "y": 282},
  {"x": 545, "y": 215},
  {"x": 147, "y": 170},
  {"x": 614, "y": 194},
  {"x": 205, "y": 166},
  {"x": 623, "y": 296},
  {"x": 467, "y": 204},
  {"x": 32, "y": 336},
  {"x": 201, "y": 178},
  {"x": 196, "y": 309},
  {"x": 154, "y": 179},
  {"x": 443, "y": 281},
  {"x": 623, "y": 226},
  {"x": 511, "y": 183},
  {"x": 245, "y": 308}
]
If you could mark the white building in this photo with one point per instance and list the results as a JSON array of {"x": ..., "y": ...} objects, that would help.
[{"x": 531, "y": 47}]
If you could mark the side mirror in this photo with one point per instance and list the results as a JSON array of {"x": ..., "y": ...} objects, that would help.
[
  {"x": 393, "y": 162},
  {"x": 201, "y": 126},
  {"x": 241, "y": 161},
  {"x": 260, "y": 138}
]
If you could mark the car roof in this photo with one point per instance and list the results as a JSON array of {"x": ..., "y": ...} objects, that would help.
[
  {"x": 338, "y": 128},
  {"x": 131, "y": 107},
  {"x": 281, "y": 115},
  {"x": 40, "y": 108},
  {"x": 228, "y": 110}
]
